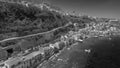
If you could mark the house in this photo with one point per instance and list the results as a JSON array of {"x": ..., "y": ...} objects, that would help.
[
  {"x": 26, "y": 61},
  {"x": 113, "y": 20}
]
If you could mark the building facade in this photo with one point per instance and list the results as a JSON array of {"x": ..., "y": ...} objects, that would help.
[{"x": 28, "y": 61}]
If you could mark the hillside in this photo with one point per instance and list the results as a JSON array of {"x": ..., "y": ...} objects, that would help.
[{"x": 19, "y": 20}]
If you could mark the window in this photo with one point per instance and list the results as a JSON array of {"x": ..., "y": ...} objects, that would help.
[{"x": 10, "y": 50}]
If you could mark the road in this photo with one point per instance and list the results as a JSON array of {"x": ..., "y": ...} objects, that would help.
[{"x": 34, "y": 34}]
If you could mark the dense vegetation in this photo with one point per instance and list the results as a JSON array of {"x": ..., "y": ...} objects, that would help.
[{"x": 27, "y": 20}]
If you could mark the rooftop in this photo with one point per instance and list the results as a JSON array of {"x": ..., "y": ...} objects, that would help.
[{"x": 15, "y": 60}]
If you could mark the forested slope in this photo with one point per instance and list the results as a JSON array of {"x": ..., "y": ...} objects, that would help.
[{"x": 19, "y": 20}]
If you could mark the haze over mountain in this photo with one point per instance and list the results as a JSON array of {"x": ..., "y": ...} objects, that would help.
[{"x": 99, "y": 8}]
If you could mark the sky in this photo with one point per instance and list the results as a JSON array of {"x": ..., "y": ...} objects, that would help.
[{"x": 99, "y": 8}]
